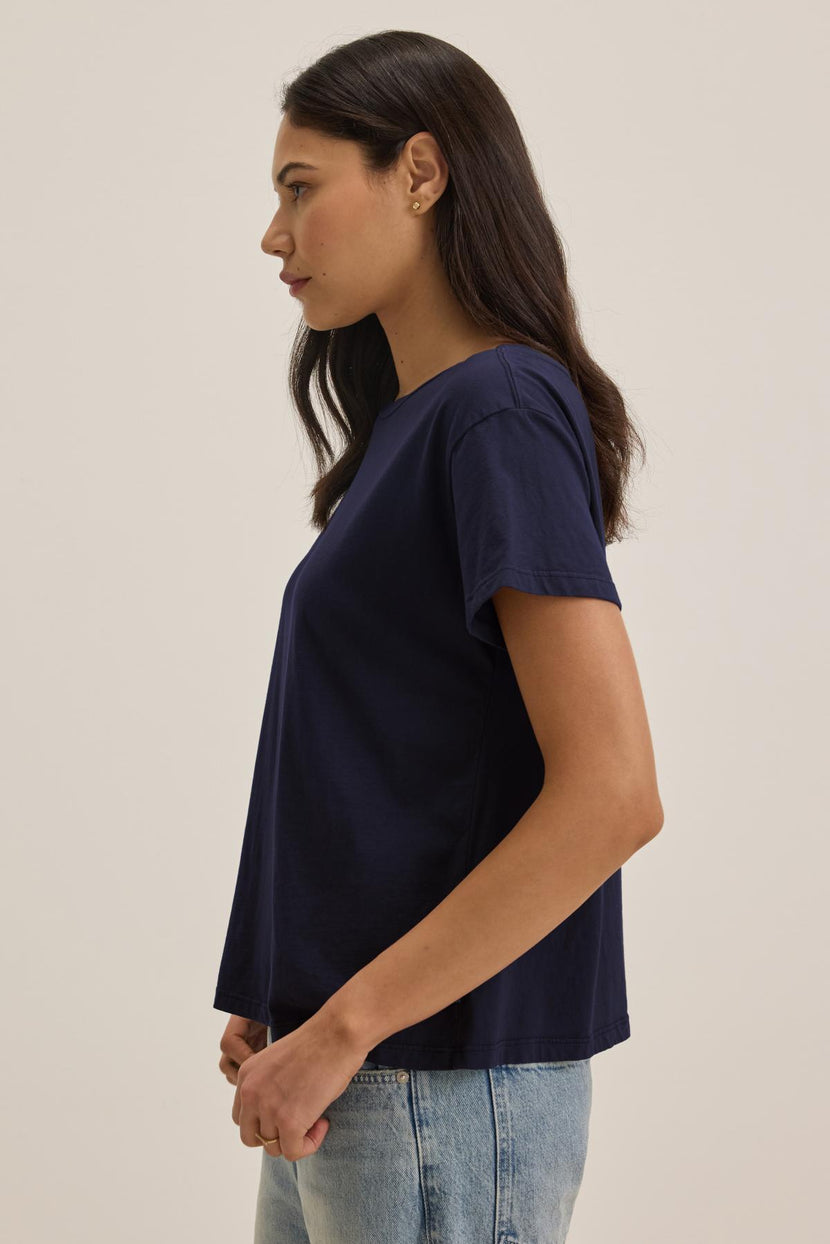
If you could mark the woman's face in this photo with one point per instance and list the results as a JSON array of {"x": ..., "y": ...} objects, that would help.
[{"x": 360, "y": 243}]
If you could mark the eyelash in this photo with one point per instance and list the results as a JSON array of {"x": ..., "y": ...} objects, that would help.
[{"x": 291, "y": 185}]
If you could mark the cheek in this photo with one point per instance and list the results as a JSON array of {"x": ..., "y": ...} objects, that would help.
[
  {"x": 348, "y": 241},
  {"x": 326, "y": 241},
  {"x": 371, "y": 248}
]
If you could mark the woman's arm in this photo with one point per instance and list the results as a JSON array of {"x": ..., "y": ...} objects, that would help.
[{"x": 598, "y": 805}]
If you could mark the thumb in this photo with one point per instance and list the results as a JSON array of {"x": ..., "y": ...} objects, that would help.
[
  {"x": 315, "y": 1136},
  {"x": 235, "y": 1051}
]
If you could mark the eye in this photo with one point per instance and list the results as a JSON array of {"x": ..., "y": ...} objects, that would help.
[{"x": 296, "y": 185}]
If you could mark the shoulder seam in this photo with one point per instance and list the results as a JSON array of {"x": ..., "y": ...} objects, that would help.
[
  {"x": 514, "y": 388},
  {"x": 508, "y": 367},
  {"x": 534, "y": 410}
]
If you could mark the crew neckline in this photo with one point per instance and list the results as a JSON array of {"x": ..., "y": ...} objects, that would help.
[{"x": 391, "y": 407}]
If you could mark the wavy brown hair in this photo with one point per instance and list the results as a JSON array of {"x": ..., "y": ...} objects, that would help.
[{"x": 497, "y": 242}]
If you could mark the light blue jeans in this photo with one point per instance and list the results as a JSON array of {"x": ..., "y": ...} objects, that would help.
[{"x": 491, "y": 1156}]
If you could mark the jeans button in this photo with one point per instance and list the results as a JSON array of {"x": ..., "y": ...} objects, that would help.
[{"x": 402, "y": 1077}]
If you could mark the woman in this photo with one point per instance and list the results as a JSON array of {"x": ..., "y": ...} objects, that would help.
[{"x": 425, "y": 943}]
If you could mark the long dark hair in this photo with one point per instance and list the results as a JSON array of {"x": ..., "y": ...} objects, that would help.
[{"x": 498, "y": 245}]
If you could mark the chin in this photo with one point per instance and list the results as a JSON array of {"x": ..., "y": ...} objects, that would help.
[
  {"x": 322, "y": 323},
  {"x": 325, "y": 318}
]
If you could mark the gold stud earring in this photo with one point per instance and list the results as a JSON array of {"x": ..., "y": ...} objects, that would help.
[{"x": 416, "y": 204}]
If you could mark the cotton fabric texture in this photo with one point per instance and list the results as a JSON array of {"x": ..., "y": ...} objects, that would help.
[{"x": 395, "y": 750}]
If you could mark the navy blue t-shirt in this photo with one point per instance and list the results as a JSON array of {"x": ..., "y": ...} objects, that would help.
[{"x": 396, "y": 750}]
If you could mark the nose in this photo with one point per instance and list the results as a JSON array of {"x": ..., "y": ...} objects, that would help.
[{"x": 273, "y": 241}]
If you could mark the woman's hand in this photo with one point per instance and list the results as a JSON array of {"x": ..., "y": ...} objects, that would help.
[
  {"x": 242, "y": 1038},
  {"x": 283, "y": 1090}
]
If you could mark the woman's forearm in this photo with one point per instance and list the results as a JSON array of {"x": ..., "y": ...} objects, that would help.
[{"x": 563, "y": 848}]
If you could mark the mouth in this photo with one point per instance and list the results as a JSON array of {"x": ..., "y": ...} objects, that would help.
[{"x": 296, "y": 286}]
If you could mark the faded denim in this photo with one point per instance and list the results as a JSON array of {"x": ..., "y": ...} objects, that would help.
[{"x": 491, "y": 1156}]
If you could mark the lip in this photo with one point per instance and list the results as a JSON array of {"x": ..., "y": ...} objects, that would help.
[{"x": 296, "y": 286}]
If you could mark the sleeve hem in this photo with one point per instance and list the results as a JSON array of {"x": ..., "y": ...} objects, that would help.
[{"x": 483, "y": 623}]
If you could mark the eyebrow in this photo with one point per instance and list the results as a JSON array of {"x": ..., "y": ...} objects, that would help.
[{"x": 288, "y": 168}]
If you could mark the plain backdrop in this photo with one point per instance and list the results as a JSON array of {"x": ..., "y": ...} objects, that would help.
[{"x": 155, "y": 500}]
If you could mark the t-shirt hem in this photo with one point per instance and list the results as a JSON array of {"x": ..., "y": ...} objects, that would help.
[
  {"x": 239, "y": 1004},
  {"x": 454, "y": 1057},
  {"x": 513, "y": 1050}
]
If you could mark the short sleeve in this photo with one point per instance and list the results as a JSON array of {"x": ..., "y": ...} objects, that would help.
[{"x": 528, "y": 514}]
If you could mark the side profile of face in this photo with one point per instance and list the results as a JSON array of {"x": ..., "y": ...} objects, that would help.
[{"x": 359, "y": 241}]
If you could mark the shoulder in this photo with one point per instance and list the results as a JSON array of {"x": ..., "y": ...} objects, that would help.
[{"x": 507, "y": 379}]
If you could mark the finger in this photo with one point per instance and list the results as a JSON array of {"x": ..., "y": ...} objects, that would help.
[
  {"x": 294, "y": 1151},
  {"x": 249, "y": 1126},
  {"x": 236, "y": 1047},
  {"x": 229, "y": 1068},
  {"x": 258, "y": 1037},
  {"x": 269, "y": 1140}
]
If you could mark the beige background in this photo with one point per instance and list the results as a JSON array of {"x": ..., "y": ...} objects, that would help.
[{"x": 154, "y": 503}]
